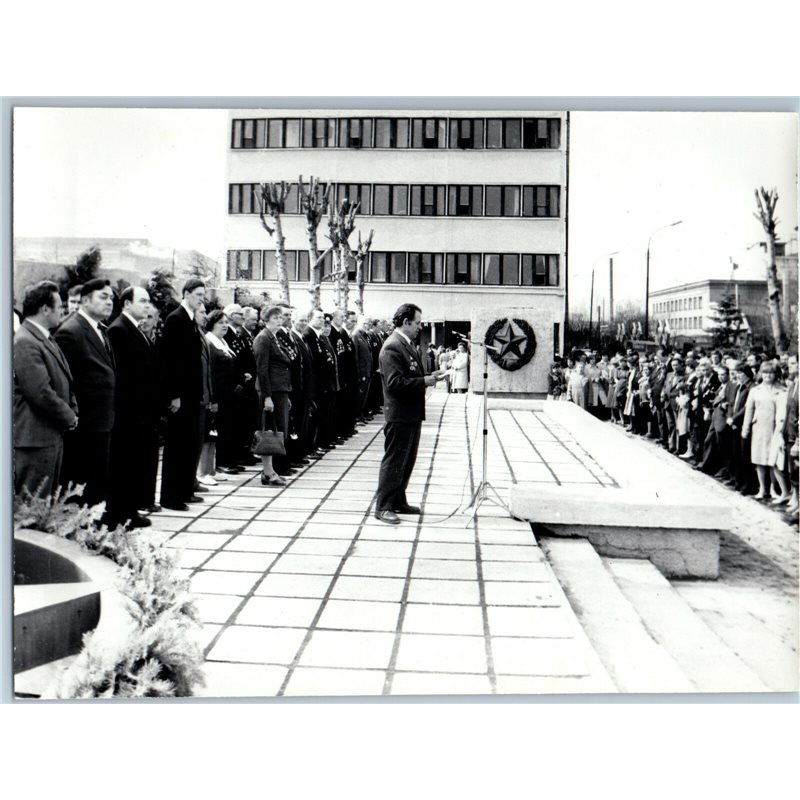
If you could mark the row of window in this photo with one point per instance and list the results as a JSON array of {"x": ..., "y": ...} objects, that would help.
[
  {"x": 534, "y": 133},
  {"x": 419, "y": 200},
  {"x": 679, "y": 304},
  {"x": 685, "y": 323},
  {"x": 488, "y": 269}
]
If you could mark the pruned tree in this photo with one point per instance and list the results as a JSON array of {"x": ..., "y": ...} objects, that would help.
[
  {"x": 766, "y": 200},
  {"x": 314, "y": 204},
  {"x": 345, "y": 225},
  {"x": 271, "y": 198},
  {"x": 361, "y": 254}
]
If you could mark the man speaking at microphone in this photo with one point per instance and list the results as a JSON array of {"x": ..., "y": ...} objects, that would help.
[{"x": 404, "y": 383}]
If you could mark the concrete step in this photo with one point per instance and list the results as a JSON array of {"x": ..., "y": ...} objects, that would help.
[
  {"x": 634, "y": 660},
  {"x": 742, "y": 623},
  {"x": 702, "y": 656}
]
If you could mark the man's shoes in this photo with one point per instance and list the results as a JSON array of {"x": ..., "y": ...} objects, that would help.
[
  {"x": 139, "y": 522},
  {"x": 285, "y": 471},
  {"x": 272, "y": 480},
  {"x": 174, "y": 506},
  {"x": 301, "y": 462},
  {"x": 200, "y": 489},
  {"x": 195, "y": 499},
  {"x": 229, "y": 470},
  {"x": 153, "y": 509},
  {"x": 407, "y": 510},
  {"x": 388, "y": 516}
]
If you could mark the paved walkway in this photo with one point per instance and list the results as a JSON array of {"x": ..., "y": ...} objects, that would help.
[{"x": 303, "y": 592}]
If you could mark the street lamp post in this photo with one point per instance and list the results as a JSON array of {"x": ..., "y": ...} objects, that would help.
[{"x": 647, "y": 279}]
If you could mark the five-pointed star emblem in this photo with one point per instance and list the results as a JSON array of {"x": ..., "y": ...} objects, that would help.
[{"x": 509, "y": 340}]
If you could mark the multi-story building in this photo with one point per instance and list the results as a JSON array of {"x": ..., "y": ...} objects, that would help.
[
  {"x": 689, "y": 308},
  {"x": 468, "y": 209}
]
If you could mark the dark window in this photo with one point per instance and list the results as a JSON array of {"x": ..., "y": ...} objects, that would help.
[
  {"x": 248, "y": 133},
  {"x": 355, "y": 133},
  {"x": 319, "y": 133},
  {"x": 556, "y": 337},
  {"x": 292, "y": 133},
  {"x": 539, "y": 270},
  {"x": 501, "y": 268},
  {"x": 464, "y": 268},
  {"x": 241, "y": 199},
  {"x": 503, "y": 133},
  {"x": 502, "y": 201},
  {"x": 425, "y": 267},
  {"x": 234, "y": 199},
  {"x": 327, "y": 265},
  {"x": 427, "y": 201},
  {"x": 465, "y": 201},
  {"x": 466, "y": 134},
  {"x": 244, "y": 265},
  {"x": 302, "y": 266},
  {"x": 540, "y": 201},
  {"x": 355, "y": 193},
  {"x": 428, "y": 133},
  {"x": 270, "y": 266},
  {"x": 397, "y": 267},
  {"x": 391, "y": 132},
  {"x": 541, "y": 134},
  {"x": 291, "y": 264},
  {"x": 379, "y": 269},
  {"x": 400, "y": 199},
  {"x": 292, "y": 203}
]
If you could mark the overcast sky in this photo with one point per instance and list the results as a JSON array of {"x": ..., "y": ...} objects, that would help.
[{"x": 160, "y": 174}]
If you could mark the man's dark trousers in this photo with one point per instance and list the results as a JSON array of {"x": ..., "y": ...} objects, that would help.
[
  {"x": 184, "y": 441},
  {"x": 400, "y": 448}
]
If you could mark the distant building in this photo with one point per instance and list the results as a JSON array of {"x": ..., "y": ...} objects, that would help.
[
  {"x": 468, "y": 209},
  {"x": 45, "y": 258}
]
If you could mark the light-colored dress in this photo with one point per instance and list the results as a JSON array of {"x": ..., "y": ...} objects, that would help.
[
  {"x": 460, "y": 362},
  {"x": 764, "y": 414}
]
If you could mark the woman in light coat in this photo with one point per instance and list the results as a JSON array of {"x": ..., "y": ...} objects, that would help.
[
  {"x": 578, "y": 386},
  {"x": 459, "y": 367},
  {"x": 764, "y": 414}
]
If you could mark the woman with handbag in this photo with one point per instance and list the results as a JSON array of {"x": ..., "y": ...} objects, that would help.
[{"x": 274, "y": 385}]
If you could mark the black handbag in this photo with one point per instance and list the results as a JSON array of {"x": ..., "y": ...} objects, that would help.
[{"x": 268, "y": 442}]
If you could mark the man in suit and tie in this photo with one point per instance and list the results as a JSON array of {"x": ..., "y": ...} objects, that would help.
[
  {"x": 363, "y": 358},
  {"x": 84, "y": 341},
  {"x": 302, "y": 396},
  {"x": 294, "y": 456},
  {"x": 323, "y": 367},
  {"x": 134, "y": 440},
  {"x": 346, "y": 359},
  {"x": 790, "y": 425},
  {"x": 404, "y": 383},
  {"x": 182, "y": 376},
  {"x": 743, "y": 471},
  {"x": 44, "y": 403}
]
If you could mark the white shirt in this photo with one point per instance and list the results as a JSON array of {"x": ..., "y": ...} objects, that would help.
[
  {"x": 43, "y": 330},
  {"x": 94, "y": 325},
  {"x": 135, "y": 323},
  {"x": 187, "y": 309},
  {"x": 404, "y": 336}
]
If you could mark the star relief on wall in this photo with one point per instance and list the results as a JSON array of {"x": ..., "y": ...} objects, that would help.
[{"x": 514, "y": 342}]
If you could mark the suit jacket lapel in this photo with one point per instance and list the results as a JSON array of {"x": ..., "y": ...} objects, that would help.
[
  {"x": 411, "y": 350},
  {"x": 94, "y": 339},
  {"x": 51, "y": 346}
]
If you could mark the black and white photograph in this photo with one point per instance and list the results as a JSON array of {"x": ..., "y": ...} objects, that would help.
[{"x": 392, "y": 400}]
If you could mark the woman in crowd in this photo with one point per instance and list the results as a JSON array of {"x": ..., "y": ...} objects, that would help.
[
  {"x": 459, "y": 367},
  {"x": 577, "y": 388},
  {"x": 619, "y": 392},
  {"x": 205, "y": 466},
  {"x": 555, "y": 382},
  {"x": 445, "y": 363},
  {"x": 763, "y": 424},
  {"x": 221, "y": 359}
]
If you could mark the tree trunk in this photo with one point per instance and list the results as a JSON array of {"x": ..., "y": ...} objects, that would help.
[
  {"x": 360, "y": 283},
  {"x": 344, "y": 278},
  {"x": 314, "y": 263},
  {"x": 774, "y": 297},
  {"x": 280, "y": 258}
]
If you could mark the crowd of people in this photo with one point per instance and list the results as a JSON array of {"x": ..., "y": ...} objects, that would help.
[
  {"x": 733, "y": 418},
  {"x": 97, "y": 394}
]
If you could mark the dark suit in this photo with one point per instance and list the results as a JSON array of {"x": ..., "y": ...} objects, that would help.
[
  {"x": 403, "y": 376},
  {"x": 182, "y": 348},
  {"x": 718, "y": 442},
  {"x": 790, "y": 429},
  {"x": 245, "y": 401},
  {"x": 44, "y": 408},
  {"x": 87, "y": 448},
  {"x": 223, "y": 383},
  {"x": 304, "y": 408},
  {"x": 743, "y": 472},
  {"x": 323, "y": 367},
  {"x": 134, "y": 440},
  {"x": 348, "y": 384},
  {"x": 363, "y": 354}
]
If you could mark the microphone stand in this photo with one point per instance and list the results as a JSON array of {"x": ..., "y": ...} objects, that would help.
[{"x": 481, "y": 494}]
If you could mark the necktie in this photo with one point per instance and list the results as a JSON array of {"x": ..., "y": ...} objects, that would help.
[{"x": 106, "y": 342}]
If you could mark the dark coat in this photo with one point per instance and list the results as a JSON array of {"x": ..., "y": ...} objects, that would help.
[
  {"x": 181, "y": 358},
  {"x": 306, "y": 371},
  {"x": 790, "y": 423},
  {"x": 290, "y": 348},
  {"x": 93, "y": 374},
  {"x": 403, "y": 376},
  {"x": 44, "y": 403},
  {"x": 272, "y": 365},
  {"x": 244, "y": 362},
  {"x": 722, "y": 405},
  {"x": 221, "y": 366},
  {"x": 322, "y": 365},
  {"x": 346, "y": 360},
  {"x": 363, "y": 354},
  {"x": 137, "y": 387},
  {"x": 739, "y": 405}
]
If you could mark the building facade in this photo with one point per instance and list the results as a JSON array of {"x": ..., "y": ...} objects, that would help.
[
  {"x": 689, "y": 309},
  {"x": 468, "y": 209}
]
